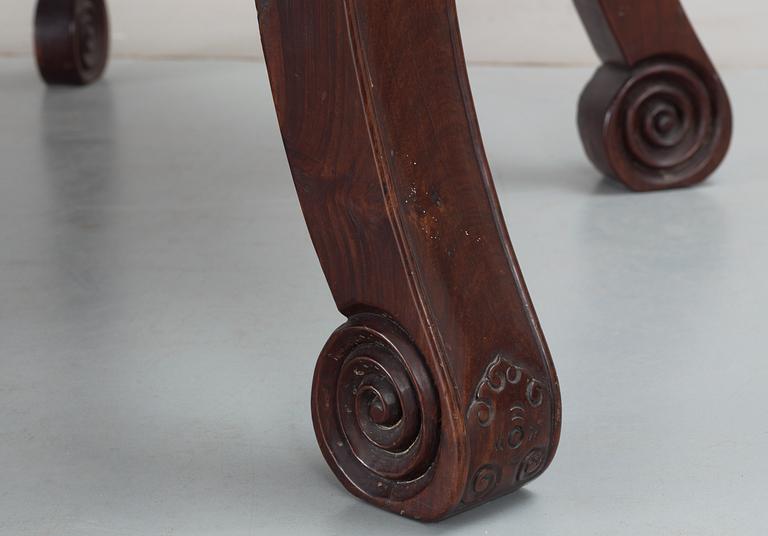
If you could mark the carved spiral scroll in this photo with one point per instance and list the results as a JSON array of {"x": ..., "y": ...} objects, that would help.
[
  {"x": 662, "y": 124},
  {"x": 71, "y": 40},
  {"x": 375, "y": 409},
  {"x": 483, "y": 483}
]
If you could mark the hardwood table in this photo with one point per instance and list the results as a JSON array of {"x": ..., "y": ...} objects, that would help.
[{"x": 439, "y": 392}]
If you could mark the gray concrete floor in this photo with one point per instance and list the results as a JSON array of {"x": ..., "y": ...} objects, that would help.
[{"x": 161, "y": 309}]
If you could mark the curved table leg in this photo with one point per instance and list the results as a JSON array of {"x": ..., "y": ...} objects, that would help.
[
  {"x": 439, "y": 392},
  {"x": 71, "y": 40},
  {"x": 656, "y": 114}
]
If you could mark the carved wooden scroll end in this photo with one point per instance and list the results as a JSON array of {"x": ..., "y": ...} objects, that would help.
[
  {"x": 656, "y": 114},
  {"x": 71, "y": 40}
]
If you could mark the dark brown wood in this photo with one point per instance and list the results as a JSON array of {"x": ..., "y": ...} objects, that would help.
[
  {"x": 71, "y": 40},
  {"x": 439, "y": 393},
  {"x": 656, "y": 114}
]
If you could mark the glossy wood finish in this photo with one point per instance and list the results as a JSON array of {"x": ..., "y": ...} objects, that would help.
[
  {"x": 656, "y": 114},
  {"x": 439, "y": 392},
  {"x": 71, "y": 40}
]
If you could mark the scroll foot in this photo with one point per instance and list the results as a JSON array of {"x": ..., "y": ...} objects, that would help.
[
  {"x": 71, "y": 40},
  {"x": 656, "y": 114}
]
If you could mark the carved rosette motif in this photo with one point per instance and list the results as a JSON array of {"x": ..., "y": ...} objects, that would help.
[
  {"x": 509, "y": 421},
  {"x": 375, "y": 409}
]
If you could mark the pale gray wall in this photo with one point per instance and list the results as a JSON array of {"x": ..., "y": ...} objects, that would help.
[{"x": 503, "y": 31}]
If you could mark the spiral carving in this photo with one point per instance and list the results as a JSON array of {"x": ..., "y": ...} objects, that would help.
[
  {"x": 483, "y": 483},
  {"x": 375, "y": 409},
  {"x": 667, "y": 115},
  {"x": 71, "y": 40},
  {"x": 662, "y": 124}
]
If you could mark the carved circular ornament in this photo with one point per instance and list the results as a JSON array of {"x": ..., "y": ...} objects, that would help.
[
  {"x": 662, "y": 124},
  {"x": 375, "y": 409}
]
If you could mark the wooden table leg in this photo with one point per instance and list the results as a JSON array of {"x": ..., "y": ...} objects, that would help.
[
  {"x": 71, "y": 40},
  {"x": 439, "y": 393},
  {"x": 656, "y": 114}
]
